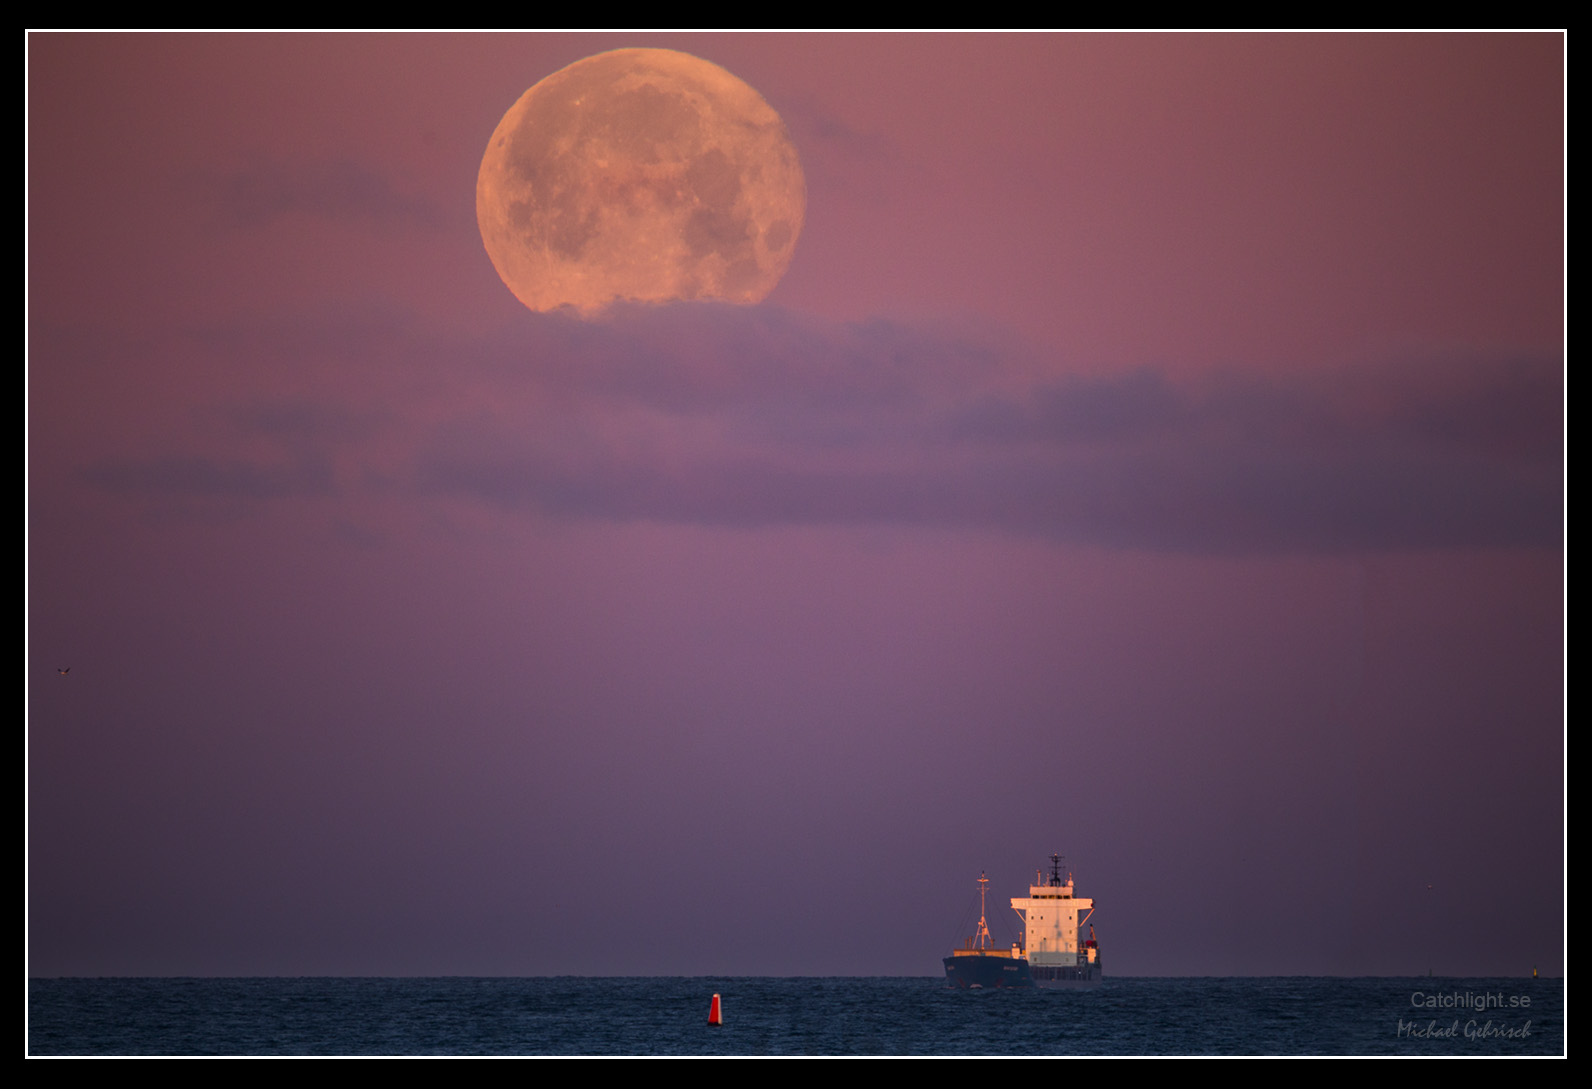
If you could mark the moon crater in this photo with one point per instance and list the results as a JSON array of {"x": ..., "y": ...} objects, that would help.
[{"x": 640, "y": 174}]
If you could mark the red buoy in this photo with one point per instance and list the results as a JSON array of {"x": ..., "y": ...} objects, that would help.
[{"x": 715, "y": 1015}]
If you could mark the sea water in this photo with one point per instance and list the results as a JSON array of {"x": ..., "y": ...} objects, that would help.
[{"x": 795, "y": 1016}]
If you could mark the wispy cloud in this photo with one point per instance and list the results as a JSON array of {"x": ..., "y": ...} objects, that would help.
[
  {"x": 334, "y": 189},
  {"x": 720, "y": 416},
  {"x": 199, "y": 476}
]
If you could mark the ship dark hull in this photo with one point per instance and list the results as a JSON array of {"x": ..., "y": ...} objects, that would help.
[
  {"x": 1054, "y": 976},
  {"x": 986, "y": 972}
]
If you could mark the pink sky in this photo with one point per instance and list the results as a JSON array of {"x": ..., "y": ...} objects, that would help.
[{"x": 1154, "y": 453}]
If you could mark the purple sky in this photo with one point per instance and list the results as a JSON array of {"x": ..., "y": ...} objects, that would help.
[{"x": 1154, "y": 454}]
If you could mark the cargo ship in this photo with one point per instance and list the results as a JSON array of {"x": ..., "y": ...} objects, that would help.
[{"x": 1052, "y": 954}]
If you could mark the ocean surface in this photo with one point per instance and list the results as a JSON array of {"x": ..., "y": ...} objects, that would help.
[{"x": 797, "y": 1016}]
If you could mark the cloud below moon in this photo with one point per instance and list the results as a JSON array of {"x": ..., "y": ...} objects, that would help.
[
  {"x": 729, "y": 417},
  {"x": 640, "y": 174}
]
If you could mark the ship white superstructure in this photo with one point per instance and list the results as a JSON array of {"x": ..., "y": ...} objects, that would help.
[{"x": 1053, "y": 918}]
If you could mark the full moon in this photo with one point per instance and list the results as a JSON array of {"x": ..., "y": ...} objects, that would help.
[{"x": 640, "y": 174}]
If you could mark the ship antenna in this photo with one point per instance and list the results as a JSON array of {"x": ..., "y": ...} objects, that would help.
[
  {"x": 984, "y": 940},
  {"x": 1055, "y": 869}
]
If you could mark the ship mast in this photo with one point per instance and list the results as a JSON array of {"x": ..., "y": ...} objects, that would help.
[{"x": 982, "y": 940}]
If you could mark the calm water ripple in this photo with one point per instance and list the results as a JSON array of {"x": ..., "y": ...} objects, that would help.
[{"x": 800, "y": 1016}]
